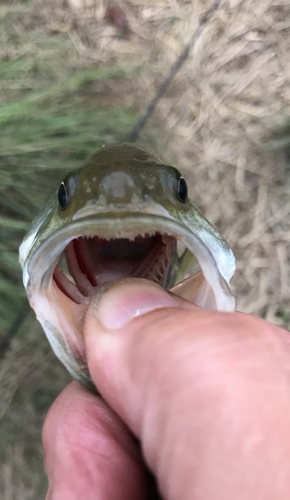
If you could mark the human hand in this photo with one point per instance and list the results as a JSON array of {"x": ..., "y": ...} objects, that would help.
[{"x": 207, "y": 394}]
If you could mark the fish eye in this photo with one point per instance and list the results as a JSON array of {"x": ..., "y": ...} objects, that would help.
[
  {"x": 62, "y": 196},
  {"x": 182, "y": 190}
]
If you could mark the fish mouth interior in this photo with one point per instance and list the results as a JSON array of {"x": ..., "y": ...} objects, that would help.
[{"x": 90, "y": 262}]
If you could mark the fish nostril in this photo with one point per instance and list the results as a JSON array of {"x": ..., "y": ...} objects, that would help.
[{"x": 118, "y": 185}]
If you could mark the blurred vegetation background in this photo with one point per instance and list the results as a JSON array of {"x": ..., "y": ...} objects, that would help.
[{"x": 77, "y": 74}]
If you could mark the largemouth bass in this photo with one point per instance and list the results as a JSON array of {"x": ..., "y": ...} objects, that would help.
[{"x": 123, "y": 214}]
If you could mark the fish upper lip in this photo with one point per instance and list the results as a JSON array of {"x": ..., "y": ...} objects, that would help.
[
  {"x": 107, "y": 226},
  {"x": 94, "y": 209}
]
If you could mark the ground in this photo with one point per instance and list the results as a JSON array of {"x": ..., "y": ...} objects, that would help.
[{"x": 77, "y": 74}]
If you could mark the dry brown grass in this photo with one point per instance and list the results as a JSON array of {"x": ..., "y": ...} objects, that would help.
[{"x": 215, "y": 124}]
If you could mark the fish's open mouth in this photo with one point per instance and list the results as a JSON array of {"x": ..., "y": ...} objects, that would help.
[
  {"x": 92, "y": 262},
  {"x": 68, "y": 268}
]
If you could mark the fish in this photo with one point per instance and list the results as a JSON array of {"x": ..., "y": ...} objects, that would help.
[{"x": 124, "y": 214}]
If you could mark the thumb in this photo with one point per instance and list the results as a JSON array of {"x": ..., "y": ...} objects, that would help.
[
  {"x": 206, "y": 393},
  {"x": 130, "y": 330}
]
